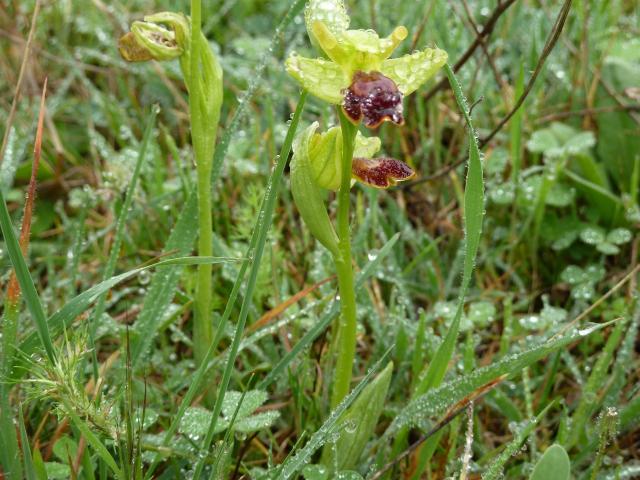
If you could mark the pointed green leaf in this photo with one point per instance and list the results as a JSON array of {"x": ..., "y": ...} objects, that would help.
[
  {"x": 293, "y": 464},
  {"x": 359, "y": 423}
]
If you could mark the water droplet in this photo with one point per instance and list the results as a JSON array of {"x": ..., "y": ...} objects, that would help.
[{"x": 588, "y": 328}]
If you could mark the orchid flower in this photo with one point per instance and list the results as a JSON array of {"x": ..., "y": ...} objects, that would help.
[
  {"x": 358, "y": 74},
  {"x": 316, "y": 165}
]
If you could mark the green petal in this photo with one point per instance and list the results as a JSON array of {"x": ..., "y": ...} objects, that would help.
[
  {"x": 175, "y": 21},
  {"x": 370, "y": 49},
  {"x": 411, "y": 71},
  {"x": 366, "y": 147},
  {"x": 325, "y": 155},
  {"x": 322, "y": 78},
  {"x": 356, "y": 50}
]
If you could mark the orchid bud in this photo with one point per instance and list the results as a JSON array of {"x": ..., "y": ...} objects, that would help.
[
  {"x": 151, "y": 39},
  {"x": 167, "y": 36},
  {"x": 307, "y": 194}
]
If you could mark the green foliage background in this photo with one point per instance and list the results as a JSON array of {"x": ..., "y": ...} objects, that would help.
[{"x": 560, "y": 230}]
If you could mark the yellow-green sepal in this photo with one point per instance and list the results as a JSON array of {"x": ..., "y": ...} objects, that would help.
[
  {"x": 322, "y": 78},
  {"x": 307, "y": 194},
  {"x": 331, "y": 13},
  {"x": 409, "y": 72},
  {"x": 356, "y": 50}
]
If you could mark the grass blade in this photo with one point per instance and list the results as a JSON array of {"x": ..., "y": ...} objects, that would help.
[
  {"x": 473, "y": 215},
  {"x": 256, "y": 250},
  {"x": 164, "y": 281},
  {"x": 432, "y": 402},
  {"x": 589, "y": 398},
  {"x": 29, "y": 468},
  {"x": 24, "y": 279},
  {"x": 119, "y": 233},
  {"x": 10, "y": 451},
  {"x": 495, "y": 470},
  {"x": 70, "y": 311},
  {"x": 256, "y": 247},
  {"x": 326, "y": 319}
]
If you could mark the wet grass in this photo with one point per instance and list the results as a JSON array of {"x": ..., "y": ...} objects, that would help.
[{"x": 543, "y": 345}]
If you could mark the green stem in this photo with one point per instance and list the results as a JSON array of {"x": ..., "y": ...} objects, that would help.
[
  {"x": 202, "y": 327},
  {"x": 346, "y": 332}
]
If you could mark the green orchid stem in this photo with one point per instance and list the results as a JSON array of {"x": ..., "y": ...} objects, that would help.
[
  {"x": 202, "y": 327},
  {"x": 345, "y": 336}
]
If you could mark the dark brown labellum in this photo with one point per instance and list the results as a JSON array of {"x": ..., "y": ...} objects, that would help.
[
  {"x": 373, "y": 98},
  {"x": 381, "y": 172}
]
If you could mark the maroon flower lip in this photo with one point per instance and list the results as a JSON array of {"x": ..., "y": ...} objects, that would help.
[
  {"x": 373, "y": 99},
  {"x": 382, "y": 172}
]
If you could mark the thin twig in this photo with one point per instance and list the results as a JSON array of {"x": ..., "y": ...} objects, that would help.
[
  {"x": 549, "y": 45},
  {"x": 587, "y": 111},
  {"x": 487, "y": 29},
  {"x": 483, "y": 43},
  {"x": 421, "y": 27},
  {"x": 16, "y": 94},
  {"x": 607, "y": 87},
  {"x": 41, "y": 52},
  {"x": 628, "y": 277}
]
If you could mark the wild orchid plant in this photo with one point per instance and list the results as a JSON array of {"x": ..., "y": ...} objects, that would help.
[
  {"x": 168, "y": 36},
  {"x": 367, "y": 87}
]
